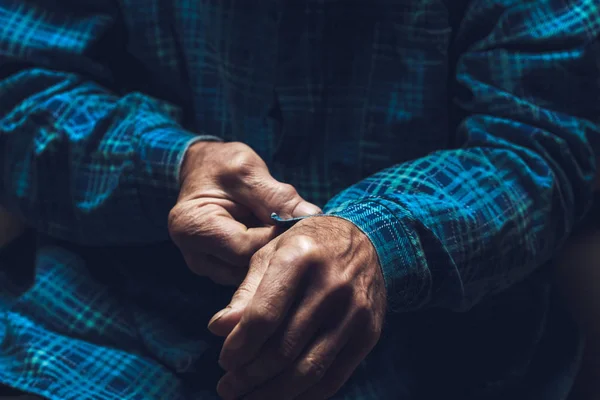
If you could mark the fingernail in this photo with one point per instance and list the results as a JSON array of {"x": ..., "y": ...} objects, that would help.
[
  {"x": 305, "y": 209},
  {"x": 217, "y": 317}
]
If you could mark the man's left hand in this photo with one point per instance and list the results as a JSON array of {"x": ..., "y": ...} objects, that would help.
[{"x": 309, "y": 311}]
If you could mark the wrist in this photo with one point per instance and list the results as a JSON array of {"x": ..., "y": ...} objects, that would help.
[
  {"x": 357, "y": 234},
  {"x": 161, "y": 154},
  {"x": 193, "y": 157},
  {"x": 387, "y": 226}
]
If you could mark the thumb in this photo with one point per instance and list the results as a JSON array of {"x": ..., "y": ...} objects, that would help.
[
  {"x": 270, "y": 196},
  {"x": 223, "y": 322}
]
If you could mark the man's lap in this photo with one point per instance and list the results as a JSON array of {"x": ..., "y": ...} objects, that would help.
[
  {"x": 131, "y": 323},
  {"x": 71, "y": 335}
]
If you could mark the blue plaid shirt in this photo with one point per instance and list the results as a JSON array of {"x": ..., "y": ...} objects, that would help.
[{"x": 458, "y": 135}]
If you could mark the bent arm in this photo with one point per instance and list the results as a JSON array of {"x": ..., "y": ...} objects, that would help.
[
  {"x": 78, "y": 161},
  {"x": 460, "y": 224}
]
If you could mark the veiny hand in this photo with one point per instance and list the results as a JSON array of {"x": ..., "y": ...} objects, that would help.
[
  {"x": 222, "y": 216},
  {"x": 310, "y": 310}
]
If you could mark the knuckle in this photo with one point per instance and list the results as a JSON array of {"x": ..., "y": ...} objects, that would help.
[
  {"x": 237, "y": 246},
  {"x": 305, "y": 243},
  {"x": 283, "y": 196},
  {"x": 177, "y": 223},
  {"x": 189, "y": 219},
  {"x": 286, "y": 351},
  {"x": 258, "y": 256},
  {"x": 240, "y": 163},
  {"x": 287, "y": 258},
  {"x": 312, "y": 369},
  {"x": 285, "y": 191},
  {"x": 265, "y": 314}
]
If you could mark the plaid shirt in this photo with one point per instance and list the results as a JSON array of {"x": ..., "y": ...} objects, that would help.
[{"x": 458, "y": 135}]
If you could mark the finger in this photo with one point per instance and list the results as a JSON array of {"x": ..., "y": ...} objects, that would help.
[
  {"x": 268, "y": 307},
  {"x": 212, "y": 229},
  {"x": 309, "y": 369},
  {"x": 237, "y": 244},
  {"x": 283, "y": 349},
  {"x": 218, "y": 234},
  {"x": 223, "y": 322},
  {"x": 339, "y": 372},
  {"x": 265, "y": 195}
]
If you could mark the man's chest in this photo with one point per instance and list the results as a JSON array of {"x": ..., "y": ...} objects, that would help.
[{"x": 360, "y": 85}]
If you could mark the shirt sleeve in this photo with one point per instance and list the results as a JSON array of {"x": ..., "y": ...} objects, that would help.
[
  {"x": 79, "y": 161},
  {"x": 460, "y": 224}
]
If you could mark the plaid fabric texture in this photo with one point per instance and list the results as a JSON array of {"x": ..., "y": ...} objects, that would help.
[{"x": 458, "y": 135}]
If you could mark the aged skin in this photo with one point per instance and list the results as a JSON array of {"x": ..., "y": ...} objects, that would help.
[
  {"x": 222, "y": 216},
  {"x": 321, "y": 279}
]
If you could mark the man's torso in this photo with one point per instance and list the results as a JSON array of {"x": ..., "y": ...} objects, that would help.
[{"x": 326, "y": 92}]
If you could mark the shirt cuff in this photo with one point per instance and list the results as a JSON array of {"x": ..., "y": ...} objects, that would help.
[
  {"x": 161, "y": 154},
  {"x": 385, "y": 224}
]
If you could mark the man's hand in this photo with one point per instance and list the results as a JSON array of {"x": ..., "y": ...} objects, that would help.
[
  {"x": 222, "y": 216},
  {"x": 310, "y": 310}
]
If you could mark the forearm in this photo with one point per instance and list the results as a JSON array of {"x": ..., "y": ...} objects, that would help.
[
  {"x": 83, "y": 165},
  {"x": 78, "y": 161},
  {"x": 451, "y": 245},
  {"x": 461, "y": 224}
]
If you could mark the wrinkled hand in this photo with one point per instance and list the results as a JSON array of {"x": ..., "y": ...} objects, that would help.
[
  {"x": 222, "y": 216},
  {"x": 309, "y": 311}
]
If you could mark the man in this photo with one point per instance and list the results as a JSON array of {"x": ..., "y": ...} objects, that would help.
[{"x": 435, "y": 155}]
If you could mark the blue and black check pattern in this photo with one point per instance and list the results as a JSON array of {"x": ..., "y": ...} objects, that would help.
[{"x": 458, "y": 135}]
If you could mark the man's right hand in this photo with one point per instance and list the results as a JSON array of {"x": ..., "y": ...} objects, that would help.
[{"x": 223, "y": 214}]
